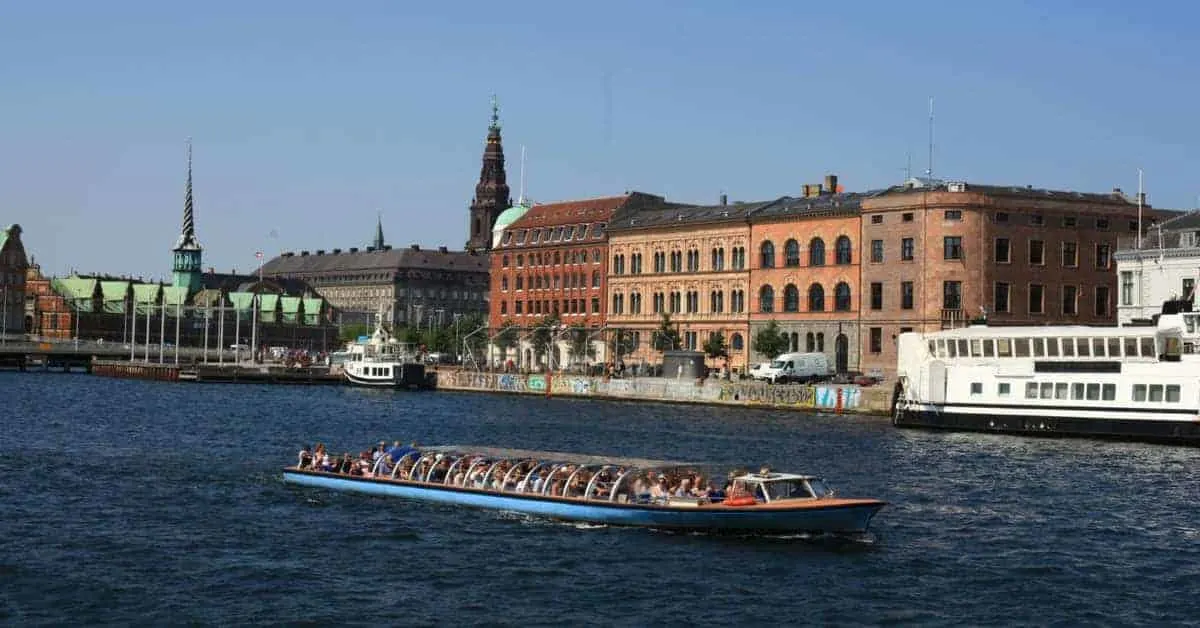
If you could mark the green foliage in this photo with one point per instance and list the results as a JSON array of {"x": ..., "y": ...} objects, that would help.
[
  {"x": 507, "y": 337},
  {"x": 351, "y": 332},
  {"x": 715, "y": 346},
  {"x": 577, "y": 343},
  {"x": 769, "y": 341},
  {"x": 667, "y": 336},
  {"x": 622, "y": 343},
  {"x": 543, "y": 334}
]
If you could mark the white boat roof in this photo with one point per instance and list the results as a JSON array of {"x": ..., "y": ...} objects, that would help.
[
  {"x": 774, "y": 476},
  {"x": 1045, "y": 331},
  {"x": 500, "y": 452}
]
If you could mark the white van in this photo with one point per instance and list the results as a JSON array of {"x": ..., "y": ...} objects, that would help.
[{"x": 797, "y": 367}]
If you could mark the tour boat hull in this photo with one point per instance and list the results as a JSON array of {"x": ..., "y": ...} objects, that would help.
[
  {"x": 831, "y": 515},
  {"x": 1182, "y": 430}
]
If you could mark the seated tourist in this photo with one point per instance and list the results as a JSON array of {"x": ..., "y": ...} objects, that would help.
[
  {"x": 305, "y": 459},
  {"x": 683, "y": 490}
]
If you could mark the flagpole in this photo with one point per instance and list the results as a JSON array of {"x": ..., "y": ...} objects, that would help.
[{"x": 1139, "y": 200}]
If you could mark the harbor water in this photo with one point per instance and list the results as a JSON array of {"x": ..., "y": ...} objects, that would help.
[{"x": 150, "y": 503}]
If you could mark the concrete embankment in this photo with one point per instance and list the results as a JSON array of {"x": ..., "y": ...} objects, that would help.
[{"x": 818, "y": 398}]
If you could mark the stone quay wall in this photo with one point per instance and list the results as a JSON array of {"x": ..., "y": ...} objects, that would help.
[{"x": 836, "y": 398}]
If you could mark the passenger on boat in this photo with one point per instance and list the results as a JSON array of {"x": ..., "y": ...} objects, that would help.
[
  {"x": 684, "y": 489},
  {"x": 380, "y": 451},
  {"x": 715, "y": 494},
  {"x": 658, "y": 490},
  {"x": 305, "y": 459}
]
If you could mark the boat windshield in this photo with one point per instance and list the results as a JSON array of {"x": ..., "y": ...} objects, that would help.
[
  {"x": 787, "y": 489},
  {"x": 820, "y": 488}
]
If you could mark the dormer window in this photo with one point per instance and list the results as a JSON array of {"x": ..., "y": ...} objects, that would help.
[
  {"x": 521, "y": 236},
  {"x": 507, "y": 238},
  {"x": 580, "y": 232},
  {"x": 535, "y": 236},
  {"x": 598, "y": 230},
  {"x": 568, "y": 232},
  {"x": 558, "y": 231}
]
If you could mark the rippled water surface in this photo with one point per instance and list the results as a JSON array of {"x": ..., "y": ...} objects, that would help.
[{"x": 137, "y": 502}]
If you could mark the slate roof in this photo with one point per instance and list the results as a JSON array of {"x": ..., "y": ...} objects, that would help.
[
  {"x": 675, "y": 215},
  {"x": 386, "y": 260},
  {"x": 1185, "y": 222},
  {"x": 919, "y": 184},
  {"x": 817, "y": 206},
  {"x": 586, "y": 219}
]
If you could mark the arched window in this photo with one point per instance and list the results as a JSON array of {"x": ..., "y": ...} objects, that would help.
[
  {"x": 841, "y": 297},
  {"x": 791, "y": 298},
  {"x": 794, "y": 342},
  {"x": 557, "y": 258},
  {"x": 816, "y": 298},
  {"x": 595, "y": 279},
  {"x": 821, "y": 341},
  {"x": 737, "y": 342},
  {"x": 810, "y": 343},
  {"x": 843, "y": 250},
  {"x": 504, "y": 262},
  {"x": 766, "y": 299},
  {"x": 767, "y": 250},
  {"x": 816, "y": 252},
  {"x": 520, "y": 260},
  {"x": 791, "y": 253}
]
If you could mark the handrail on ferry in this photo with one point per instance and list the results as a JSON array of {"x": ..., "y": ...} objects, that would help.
[
  {"x": 567, "y": 484},
  {"x": 587, "y": 492}
]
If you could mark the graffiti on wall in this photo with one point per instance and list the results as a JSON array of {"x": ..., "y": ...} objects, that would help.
[
  {"x": 573, "y": 385},
  {"x": 511, "y": 383}
]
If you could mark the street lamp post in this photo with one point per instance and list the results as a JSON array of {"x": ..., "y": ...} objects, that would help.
[{"x": 254, "y": 315}]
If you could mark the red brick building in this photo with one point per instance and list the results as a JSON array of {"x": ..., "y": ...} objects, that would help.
[
  {"x": 942, "y": 254},
  {"x": 552, "y": 261}
]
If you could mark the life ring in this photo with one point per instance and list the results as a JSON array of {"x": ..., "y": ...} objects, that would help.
[{"x": 741, "y": 500}]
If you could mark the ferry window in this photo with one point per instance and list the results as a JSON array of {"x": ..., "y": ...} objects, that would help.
[
  {"x": 1108, "y": 392},
  {"x": 1190, "y": 323},
  {"x": 1093, "y": 392},
  {"x": 1077, "y": 391},
  {"x": 932, "y": 348},
  {"x": 1052, "y": 347},
  {"x": 1047, "y": 390},
  {"x": 1004, "y": 347},
  {"x": 1084, "y": 348},
  {"x": 1031, "y": 390},
  {"x": 1156, "y": 393},
  {"x": 1004, "y": 389},
  {"x": 1114, "y": 347},
  {"x": 1172, "y": 393},
  {"x": 989, "y": 348},
  {"x": 1038, "y": 348},
  {"x": 1171, "y": 346},
  {"x": 1139, "y": 392},
  {"x": 1061, "y": 391},
  {"x": 1098, "y": 347},
  {"x": 953, "y": 348},
  {"x": 1131, "y": 347},
  {"x": 962, "y": 348},
  {"x": 1148, "y": 347},
  {"x": 1068, "y": 347},
  {"x": 977, "y": 348},
  {"x": 976, "y": 388},
  {"x": 1021, "y": 347}
]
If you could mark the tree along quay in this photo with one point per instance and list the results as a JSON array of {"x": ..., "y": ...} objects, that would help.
[{"x": 835, "y": 398}]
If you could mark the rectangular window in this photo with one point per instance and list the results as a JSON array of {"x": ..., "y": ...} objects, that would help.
[
  {"x": 1070, "y": 300},
  {"x": 1000, "y": 297},
  {"x": 1093, "y": 392},
  {"x": 877, "y": 219},
  {"x": 952, "y": 295},
  {"x": 1069, "y": 222},
  {"x": 906, "y": 295},
  {"x": 1189, "y": 286},
  {"x": 976, "y": 389},
  {"x": 1031, "y": 390},
  {"x": 1103, "y": 259},
  {"x": 1003, "y": 347},
  {"x": 1021, "y": 347},
  {"x": 1156, "y": 393},
  {"x": 1062, "y": 391},
  {"x": 1102, "y": 224},
  {"x": 906, "y": 249},
  {"x": 1102, "y": 308},
  {"x": 1172, "y": 392},
  {"x": 1139, "y": 392},
  {"x": 1127, "y": 287},
  {"x": 1068, "y": 347},
  {"x": 1077, "y": 391},
  {"x": 876, "y": 340},
  {"x": 953, "y": 214},
  {"x": 1037, "y": 303},
  {"x": 1004, "y": 389},
  {"x": 906, "y": 217},
  {"x": 952, "y": 247},
  {"x": 1037, "y": 252},
  {"x": 876, "y": 296},
  {"x": 1000, "y": 217},
  {"x": 1108, "y": 392},
  {"x": 877, "y": 251},
  {"x": 1070, "y": 254},
  {"x": 1037, "y": 220},
  {"x": 1147, "y": 347},
  {"x": 1003, "y": 251}
]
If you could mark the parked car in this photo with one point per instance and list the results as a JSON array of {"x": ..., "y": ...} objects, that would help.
[{"x": 797, "y": 367}]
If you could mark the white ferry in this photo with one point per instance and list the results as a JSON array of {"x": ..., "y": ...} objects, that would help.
[
  {"x": 1132, "y": 383},
  {"x": 382, "y": 361}
]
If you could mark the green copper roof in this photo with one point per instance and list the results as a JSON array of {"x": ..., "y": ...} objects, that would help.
[
  {"x": 145, "y": 292},
  {"x": 175, "y": 295},
  {"x": 290, "y": 305},
  {"x": 74, "y": 287},
  {"x": 242, "y": 301},
  {"x": 509, "y": 216},
  {"x": 114, "y": 290}
]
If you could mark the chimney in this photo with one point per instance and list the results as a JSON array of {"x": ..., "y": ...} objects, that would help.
[
  {"x": 831, "y": 183},
  {"x": 320, "y": 251},
  {"x": 370, "y": 249},
  {"x": 804, "y": 191},
  {"x": 303, "y": 253},
  {"x": 336, "y": 251},
  {"x": 724, "y": 200},
  {"x": 415, "y": 247},
  {"x": 442, "y": 249},
  {"x": 354, "y": 249}
]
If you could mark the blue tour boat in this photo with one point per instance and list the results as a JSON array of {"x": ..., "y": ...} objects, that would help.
[{"x": 595, "y": 489}]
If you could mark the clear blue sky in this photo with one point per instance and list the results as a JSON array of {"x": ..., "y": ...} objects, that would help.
[{"x": 308, "y": 117}]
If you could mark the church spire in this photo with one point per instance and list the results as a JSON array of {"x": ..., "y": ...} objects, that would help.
[
  {"x": 491, "y": 192},
  {"x": 188, "y": 253},
  {"x": 378, "y": 243}
]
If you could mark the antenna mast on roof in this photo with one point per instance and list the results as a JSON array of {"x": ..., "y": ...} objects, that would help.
[
  {"x": 1139, "y": 200},
  {"x": 521, "y": 198},
  {"x": 929, "y": 171}
]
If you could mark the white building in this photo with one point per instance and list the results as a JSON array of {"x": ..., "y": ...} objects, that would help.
[{"x": 1165, "y": 267}]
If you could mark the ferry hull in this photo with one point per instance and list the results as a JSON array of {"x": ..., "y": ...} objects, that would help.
[
  {"x": 1179, "y": 432},
  {"x": 840, "y": 516}
]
